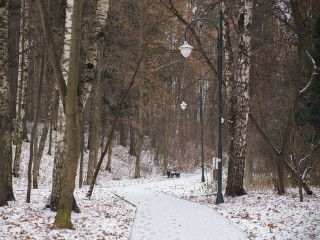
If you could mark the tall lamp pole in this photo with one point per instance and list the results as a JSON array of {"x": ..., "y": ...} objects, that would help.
[
  {"x": 186, "y": 50},
  {"x": 219, "y": 192},
  {"x": 201, "y": 130}
]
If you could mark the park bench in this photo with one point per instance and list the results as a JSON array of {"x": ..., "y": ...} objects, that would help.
[{"x": 173, "y": 174}]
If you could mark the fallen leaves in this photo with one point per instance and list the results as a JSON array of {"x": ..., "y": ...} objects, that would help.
[{"x": 271, "y": 226}]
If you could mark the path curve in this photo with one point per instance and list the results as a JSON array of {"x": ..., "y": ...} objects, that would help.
[{"x": 160, "y": 216}]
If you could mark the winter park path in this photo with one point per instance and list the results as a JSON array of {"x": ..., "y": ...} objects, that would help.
[{"x": 160, "y": 216}]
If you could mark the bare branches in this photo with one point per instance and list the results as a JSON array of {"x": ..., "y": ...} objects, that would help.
[
  {"x": 263, "y": 134},
  {"x": 170, "y": 6},
  {"x": 313, "y": 77}
]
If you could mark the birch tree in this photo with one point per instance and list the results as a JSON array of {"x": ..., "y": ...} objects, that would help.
[
  {"x": 65, "y": 205},
  {"x": 5, "y": 140},
  {"x": 22, "y": 85},
  {"x": 92, "y": 72},
  {"x": 239, "y": 105},
  {"x": 94, "y": 42},
  {"x": 68, "y": 95},
  {"x": 60, "y": 152},
  {"x": 237, "y": 68}
]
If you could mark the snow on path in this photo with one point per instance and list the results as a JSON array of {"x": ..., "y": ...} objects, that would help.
[{"x": 160, "y": 216}]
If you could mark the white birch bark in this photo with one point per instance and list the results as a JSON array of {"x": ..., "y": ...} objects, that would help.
[
  {"x": 92, "y": 54},
  {"x": 243, "y": 78},
  {"x": 92, "y": 73},
  {"x": 66, "y": 201},
  {"x": 229, "y": 75},
  {"x": 60, "y": 151},
  {"x": 22, "y": 85},
  {"x": 240, "y": 113}
]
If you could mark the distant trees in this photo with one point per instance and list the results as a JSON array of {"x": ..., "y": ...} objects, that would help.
[{"x": 285, "y": 59}]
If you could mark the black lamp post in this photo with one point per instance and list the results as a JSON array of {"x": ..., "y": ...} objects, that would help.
[
  {"x": 201, "y": 130},
  {"x": 219, "y": 192},
  {"x": 185, "y": 50}
]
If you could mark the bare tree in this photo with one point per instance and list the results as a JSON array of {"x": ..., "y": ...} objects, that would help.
[
  {"x": 5, "y": 124},
  {"x": 22, "y": 85}
]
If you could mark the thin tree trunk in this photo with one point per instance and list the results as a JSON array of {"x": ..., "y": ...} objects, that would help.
[
  {"x": 113, "y": 126},
  {"x": 165, "y": 147},
  {"x": 21, "y": 92},
  {"x": 94, "y": 128},
  {"x": 13, "y": 49},
  {"x": 60, "y": 76},
  {"x": 81, "y": 156},
  {"x": 132, "y": 149},
  {"x": 296, "y": 161},
  {"x": 66, "y": 198},
  {"x": 278, "y": 153},
  {"x": 34, "y": 141},
  {"x": 123, "y": 129},
  {"x": 52, "y": 51},
  {"x": 108, "y": 167},
  {"x": 47, "y": 124},
  {"x": 137, "y": 170},
  {"x": 140, "y": 105},
  {"x": 5, "y": 124},
  {"x": 51, "y": 127}
]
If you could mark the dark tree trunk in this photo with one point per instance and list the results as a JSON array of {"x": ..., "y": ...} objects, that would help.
[
  {"x": 132, "y": 149},
  {"x": 123, "y": 128}
]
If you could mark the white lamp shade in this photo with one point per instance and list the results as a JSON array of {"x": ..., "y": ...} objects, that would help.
[
  {"x": 183, "y": 105},
  {"x": 186, "y": 49}
]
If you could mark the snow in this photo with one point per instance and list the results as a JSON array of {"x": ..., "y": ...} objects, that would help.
[
  {"x": 116, "y": 209},
  {"x": 161, "y": 216}
]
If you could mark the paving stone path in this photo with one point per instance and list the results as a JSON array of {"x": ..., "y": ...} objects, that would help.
[{"x": 162, "y": 217}]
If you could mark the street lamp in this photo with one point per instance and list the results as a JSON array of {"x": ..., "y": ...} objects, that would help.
[
  {"x": 186, "y": 50},
  {"x": 183, "y": 105}
]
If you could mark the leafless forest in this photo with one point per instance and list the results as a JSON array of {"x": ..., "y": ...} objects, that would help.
[{"x": 101, "y": 72}]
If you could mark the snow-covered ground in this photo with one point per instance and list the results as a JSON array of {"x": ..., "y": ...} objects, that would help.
[{"x": 261, "y": 215}]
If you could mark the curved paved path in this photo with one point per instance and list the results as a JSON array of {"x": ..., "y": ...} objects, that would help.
[{"x": 160, "y": 216}]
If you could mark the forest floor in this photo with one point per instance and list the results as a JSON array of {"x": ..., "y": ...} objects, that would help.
[{"x": 260, "y": 214}]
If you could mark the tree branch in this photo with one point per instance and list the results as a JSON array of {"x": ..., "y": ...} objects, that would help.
[
  {"x": 172, "y": 8},
  {"x": 313, "y": 77},
  {"x": 263, "y": 134},
  {"x": 52, "y": 51}
]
